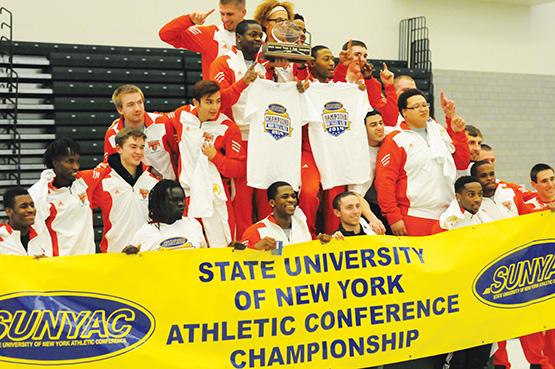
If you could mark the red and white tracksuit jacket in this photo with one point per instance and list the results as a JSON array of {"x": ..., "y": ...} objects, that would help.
[
  {"x": 210, "y": 41},
  {"x": 415, "y": 177},
  {"x": 228, "y": 71},
  {"x": 65, "y": 213},
  {"x": 208, "y": 183},
  {"x": 10, "y": 242},
  {"x": 386, "y": 105},
  {"x": 160, "y": 145},
  {"x": 268, "y": 227},
  {"x": 456, "y": 217},
  {"x": 536, "y": 204},
  {"x": 124, "y": 207},
  {"x": 505, "y": 203}
]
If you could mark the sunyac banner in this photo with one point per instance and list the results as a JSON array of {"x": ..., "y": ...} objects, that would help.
[{"x": 349, "y": 304}]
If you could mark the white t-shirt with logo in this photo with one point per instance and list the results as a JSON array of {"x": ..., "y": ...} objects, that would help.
[
  {"x": 338, "y": 135},
  {"x": 181, "y": 234},
  {"x": 275, "y": 112}
]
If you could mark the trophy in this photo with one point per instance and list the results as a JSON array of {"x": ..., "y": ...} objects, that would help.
[{"x": 288, "y": 45}]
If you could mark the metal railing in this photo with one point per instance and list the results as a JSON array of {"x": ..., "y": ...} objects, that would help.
[
  {"x": 9, "y": 95},
  {"x": 414, "y": 48},
  {"x": 414, "y": 43}
]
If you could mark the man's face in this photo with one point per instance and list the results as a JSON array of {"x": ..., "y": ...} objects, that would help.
[
  {"x": 251, "y": 41},
  {"x": 474, "y": 143},
  {"x": 23, "y": 212},
  {"x": 132, "y": 151},
  {"x": 488, "y": 155},
  {"x": 375, "y": 130},
  {"x": 471, "y": 197},
  {"x": 300, "y": 23},
  {"x": 66, "y": 167},
  {"x": 486, "y": 176},
  {"x": 275, "y": 18},
  {"x": 417, "y": 111},
  {"x": 285, "y": 202},
  {"x": 132, "y": 109},
  {"x": 360, "y": 54},
  {"x": 323, "y": 65},
  {"x": 403, "y": 85},
  {"x": 175, "y": 205},
  {"x": 349, "y": 211},
  {"x": 545, "y": 185},
  {"x": 231, "y": 15},
  {"x": 209, "y": 106}
]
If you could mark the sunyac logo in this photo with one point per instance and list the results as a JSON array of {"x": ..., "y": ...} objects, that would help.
[
  {"x": 58, "y": 328},
  {"x": 521, "y": 277},
  {"x": 335, "y": 119},
  {"x": 277, "y": 122}
]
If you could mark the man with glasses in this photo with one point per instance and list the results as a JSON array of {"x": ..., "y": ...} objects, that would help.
[{"x": 417, "y": 167}]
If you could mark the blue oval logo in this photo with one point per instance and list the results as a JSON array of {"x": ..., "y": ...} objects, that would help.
[
  {"x": 333, "y": 105},
  {"x": 523, "y": 276},
  {"x": 276, "y": 108},
  {"x": 174, "y": 242},
  {"x": 66, "y": 327}
]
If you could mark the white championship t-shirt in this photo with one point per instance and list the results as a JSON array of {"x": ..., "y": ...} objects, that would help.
[
  {"x": 183, "y": 233},
  {"x": 338, "y": 135},
  {"x": 275, "y": 112}
]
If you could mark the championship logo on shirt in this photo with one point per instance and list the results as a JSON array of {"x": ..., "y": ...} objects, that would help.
[
  {"x": 335, "y": 119},
  {"x": 153, "y": 145},
  {"x": 277, "y": 122},
  {"x": 175, "y": 243}
]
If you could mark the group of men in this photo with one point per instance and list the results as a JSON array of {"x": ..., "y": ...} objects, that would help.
[{"x": 270, "y": 153}]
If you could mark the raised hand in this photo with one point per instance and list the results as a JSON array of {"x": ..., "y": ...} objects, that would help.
[
  {"x": 346, "y": 56},
  {"x": 303, "y": 85},
  {"x": 448, "y": 106},
  {"x": 386, "y": 76},
  {"x": 366, "y": 70},
  {"x": 251, "y": 74},
  {"x": 457, "y": 124},
  {"x": 199, "y": 18}
]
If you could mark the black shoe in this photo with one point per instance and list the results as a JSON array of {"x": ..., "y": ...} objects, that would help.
[{"x": 535, "y": 366}]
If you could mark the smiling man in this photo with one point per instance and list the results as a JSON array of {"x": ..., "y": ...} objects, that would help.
[
  {"x": 465, "y": 209},
  {"x": 347, "y": 207},
  {"x": 211, "y": 156},
  {"x": 416, "y": 168},
  {"x": 542, "y": 179},
  {"x": 167, "y": 228},
  {"x": 286, "y": 224},
  {"x": 160, "y": 148},
  {"x": 18, "y": 236},
  {"x": 63, "y": 200},
  {"x": 189, "y": 32},
  {"x": 122, "y": 192}
]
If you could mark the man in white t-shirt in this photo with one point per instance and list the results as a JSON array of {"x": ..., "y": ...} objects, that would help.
[{"x": 167, "y": 228}]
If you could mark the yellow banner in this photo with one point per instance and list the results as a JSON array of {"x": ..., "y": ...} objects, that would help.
[{"x": 349, "y": 304}]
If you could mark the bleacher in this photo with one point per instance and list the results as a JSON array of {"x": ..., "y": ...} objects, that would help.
[{"x": 65, "y": 91}]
